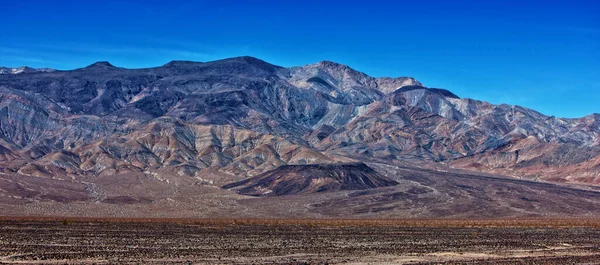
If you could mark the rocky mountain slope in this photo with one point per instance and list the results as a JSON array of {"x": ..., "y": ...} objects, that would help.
[{"x": 228, "y": 120}]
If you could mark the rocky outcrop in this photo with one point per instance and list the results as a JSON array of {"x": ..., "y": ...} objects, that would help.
[{"x": 305, "y": 179}]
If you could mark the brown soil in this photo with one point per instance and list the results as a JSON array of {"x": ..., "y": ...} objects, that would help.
[{"x": 247, "y": 241}]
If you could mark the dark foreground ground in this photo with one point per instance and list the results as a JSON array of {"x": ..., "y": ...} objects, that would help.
[{"x": 110, "y": 241}]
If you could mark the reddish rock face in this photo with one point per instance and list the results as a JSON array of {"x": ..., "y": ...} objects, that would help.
[{"x": 229, "y": 120}]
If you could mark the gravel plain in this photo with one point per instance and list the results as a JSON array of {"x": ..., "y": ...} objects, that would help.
[{"x": 253, "y": 241}]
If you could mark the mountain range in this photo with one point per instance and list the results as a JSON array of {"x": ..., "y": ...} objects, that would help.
[{"x": 240, "y": 136}]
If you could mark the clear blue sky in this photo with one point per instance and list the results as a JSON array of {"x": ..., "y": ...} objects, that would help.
[{"x": 540, "y": 54}]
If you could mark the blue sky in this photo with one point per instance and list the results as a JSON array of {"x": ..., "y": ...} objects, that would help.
[{"x": 540, "y": 54}]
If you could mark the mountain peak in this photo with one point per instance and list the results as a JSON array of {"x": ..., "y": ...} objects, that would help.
[
  {"x": 180, "y": 63},
  {"x": 245, "y": 59},
  {"x": 332, "y": 65},
  {"x": 103, "y": 64},
  {"x": 439, "y": 91},
  {"x": 388, "y": 85},
  {"x": 246, "y": 63},
  {"x": 338, "y": 68}
]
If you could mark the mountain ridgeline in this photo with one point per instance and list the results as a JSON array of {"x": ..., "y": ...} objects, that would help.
[
  {"x": 102, "y": 118},
  {"x": 230, "y": 120}
]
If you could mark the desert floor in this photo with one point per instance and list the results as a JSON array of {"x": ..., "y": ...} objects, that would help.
[{"x": 248, "y": 241}]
